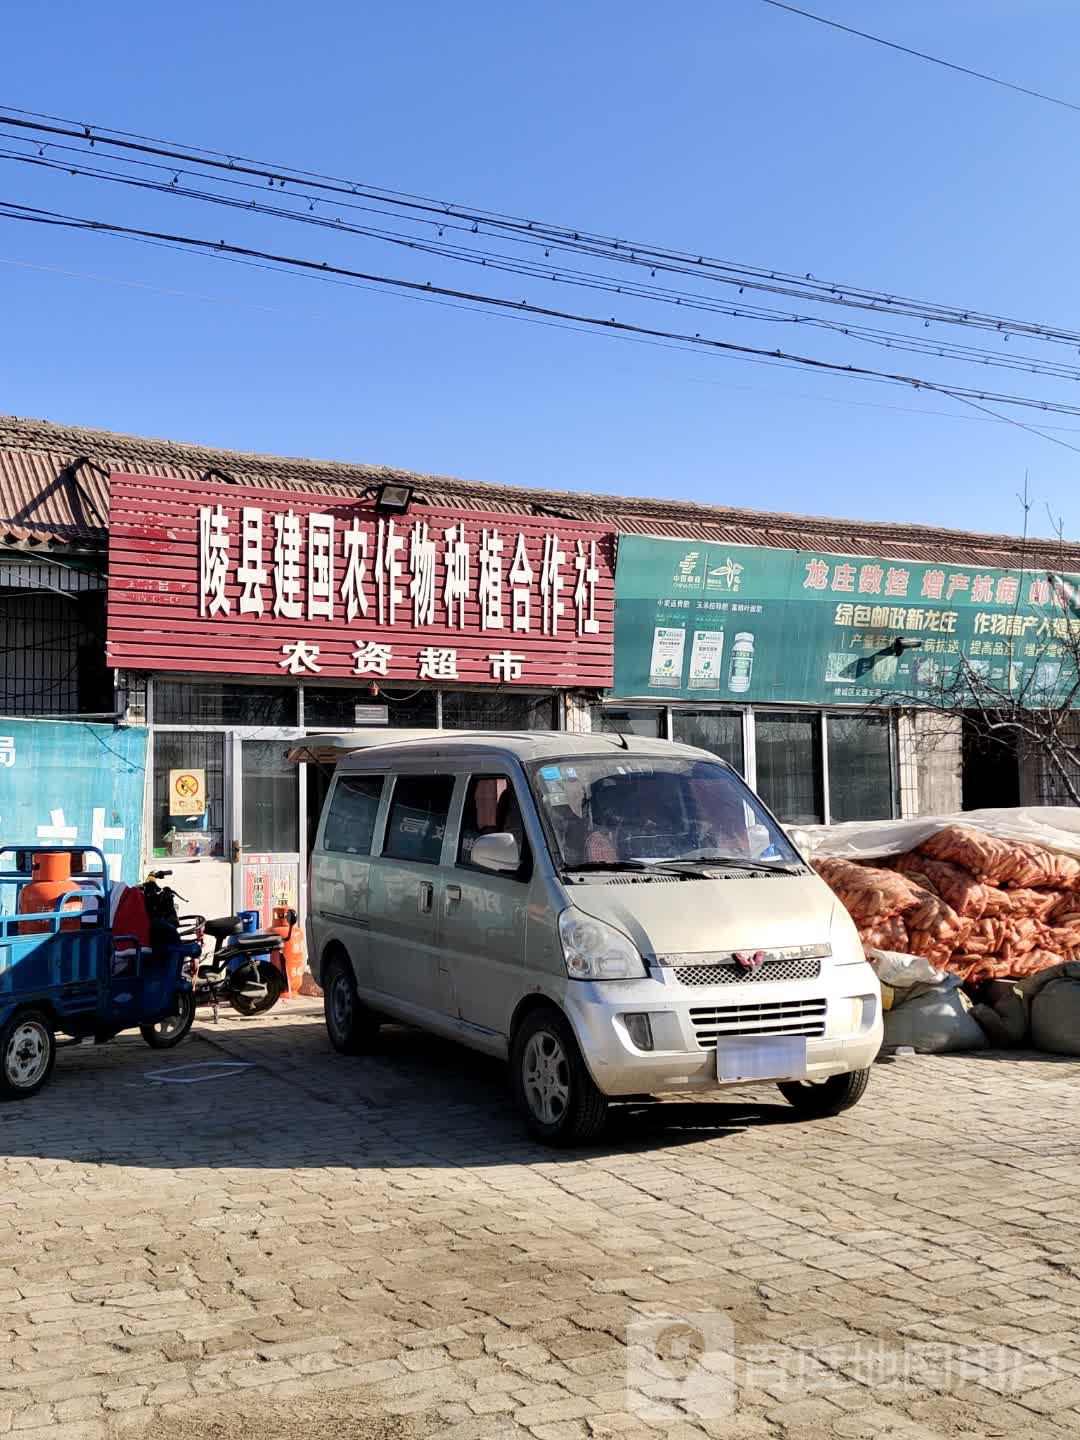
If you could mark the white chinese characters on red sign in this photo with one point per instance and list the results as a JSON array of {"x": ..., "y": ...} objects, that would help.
[{"x": 319, "y": 568}]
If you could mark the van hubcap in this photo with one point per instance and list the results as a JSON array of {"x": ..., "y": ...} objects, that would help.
[
  {"x": 546, "y": 1075},
  {"x": 27, "y": 1055},
  {"x": 341, "y": 1003}
]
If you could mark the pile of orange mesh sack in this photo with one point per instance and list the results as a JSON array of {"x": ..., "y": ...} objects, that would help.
[{"x": 970, "y": 903}]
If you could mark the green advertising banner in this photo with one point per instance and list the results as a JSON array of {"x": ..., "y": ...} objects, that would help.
[{"x": 697, "y": 620}]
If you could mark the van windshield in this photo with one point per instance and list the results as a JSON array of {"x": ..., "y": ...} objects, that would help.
[{"x": 629, "y": 809}]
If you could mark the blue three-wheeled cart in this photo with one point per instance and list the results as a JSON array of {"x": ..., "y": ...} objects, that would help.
[{"x": 64, "y": 970}]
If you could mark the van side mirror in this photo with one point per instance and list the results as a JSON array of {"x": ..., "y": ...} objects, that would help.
[{"x": 499, "y": 852}]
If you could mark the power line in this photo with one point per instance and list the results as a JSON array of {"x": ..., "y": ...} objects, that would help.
[
  {"x": 922, "y": 55},
  {"x": 538, "y": 233},
  {"x": 551, "y": 273},
  {"x": 171, "y": 292},
  {"x": 15, "y": 211},
  {"x": 1012, "y": 420}
]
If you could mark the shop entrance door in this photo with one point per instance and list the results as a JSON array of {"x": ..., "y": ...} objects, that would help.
[{"x": 268, "y": 802}]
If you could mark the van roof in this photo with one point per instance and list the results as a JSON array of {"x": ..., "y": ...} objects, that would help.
[{"x": 350, "y": 749}]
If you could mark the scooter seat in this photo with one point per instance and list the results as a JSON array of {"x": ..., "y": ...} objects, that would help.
[
  {"x": 225, "y": 926},
  {"x": 260, "y": 942}
]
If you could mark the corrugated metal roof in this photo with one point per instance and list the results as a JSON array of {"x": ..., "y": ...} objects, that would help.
[{"x": 54, "y": 493}]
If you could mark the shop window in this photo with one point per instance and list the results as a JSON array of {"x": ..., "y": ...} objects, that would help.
[
  {"x": 477, "y": 710},
  {"x": 860, "y": 767},
  {"x": 646, "y": 720},
  {"x": 417, "y": 820},
  {"x": 52, "y": 654},
  {"x": 350, "y": 822},
  {"x": 491, "y": 808},
  {"x": 327, "y": 707},
  {"x": 719, "y": 731},
  {"x": 789, "y": 776},
  {"x": 178, "y": 702},
  {"x": 180, "y": 835}
]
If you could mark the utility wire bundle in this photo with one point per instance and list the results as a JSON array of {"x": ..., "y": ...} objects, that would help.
[{"x": 544, "y": 253}]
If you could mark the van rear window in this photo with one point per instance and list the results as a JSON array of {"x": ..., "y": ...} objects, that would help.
[
  {"x": 417, "y": 820},
  {"x": 350, "y": 821}
]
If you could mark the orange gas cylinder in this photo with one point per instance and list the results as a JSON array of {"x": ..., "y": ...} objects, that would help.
[
  {"x": 52, "y": 879},
  {"x": 294, "y": 950}
]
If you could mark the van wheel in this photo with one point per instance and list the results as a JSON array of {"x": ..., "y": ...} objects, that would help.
[
  {"x": 351, "y": 1026},
  {"x": 552, "y": 1087},
  {"x": 27, "y": 1054},
  {"x": 816, "y": 1098}
]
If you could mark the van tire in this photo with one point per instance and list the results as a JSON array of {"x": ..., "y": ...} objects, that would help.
[
  {"x": 552, "y": 1088},
  {"x": 815, "y": 1099},
  {"x": 351, "y": 1026}
]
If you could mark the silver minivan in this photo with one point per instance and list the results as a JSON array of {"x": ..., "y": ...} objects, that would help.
[{"x": 615, "y": 916}]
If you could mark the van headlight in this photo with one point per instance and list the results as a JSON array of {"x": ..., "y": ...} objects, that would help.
[{"x": 594, "y": 950}]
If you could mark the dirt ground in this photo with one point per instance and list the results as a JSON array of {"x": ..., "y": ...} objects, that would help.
[{"x": 343, "y": 1417}]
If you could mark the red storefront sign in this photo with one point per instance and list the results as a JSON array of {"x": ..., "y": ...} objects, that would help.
[{"x": 231, "y": 579}]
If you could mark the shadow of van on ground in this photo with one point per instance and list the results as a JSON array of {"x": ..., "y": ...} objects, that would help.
[{"x": 271, "y": 1094}]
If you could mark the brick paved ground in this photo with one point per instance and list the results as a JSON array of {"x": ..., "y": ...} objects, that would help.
[{"x": 315, "y": 1245}]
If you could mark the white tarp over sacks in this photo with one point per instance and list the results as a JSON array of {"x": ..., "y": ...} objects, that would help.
[{"x": 1055, "y": 826}]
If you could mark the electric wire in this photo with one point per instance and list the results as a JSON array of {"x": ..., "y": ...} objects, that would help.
[
  {"x": 684, "y": 340},
  {"x": 171, "y": 292},
  {"x": 496, "y": 261},
  {"x": 923, "y": 55},
  {"x": 543, "y": 233}
]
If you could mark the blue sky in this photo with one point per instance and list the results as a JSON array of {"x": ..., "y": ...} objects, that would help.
[{"x": 721, "y": 126}]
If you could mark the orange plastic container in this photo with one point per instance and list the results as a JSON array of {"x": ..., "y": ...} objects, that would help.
[
  {"x": 52, "y": 880},
  {"x": 294, "y": 950}
]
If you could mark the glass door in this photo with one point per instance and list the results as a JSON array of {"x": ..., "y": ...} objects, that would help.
[{"x": 266, "y": 842}]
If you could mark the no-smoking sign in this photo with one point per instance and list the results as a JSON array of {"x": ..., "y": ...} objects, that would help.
[{"x": 187, "y": 792}]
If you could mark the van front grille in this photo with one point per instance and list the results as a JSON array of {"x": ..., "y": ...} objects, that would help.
[
  {"x": 780, "y": 1017},
  {"x": 734, "y": 974}
]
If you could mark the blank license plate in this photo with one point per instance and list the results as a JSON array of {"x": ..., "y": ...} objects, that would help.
[{"x": 760, "y": 1057}]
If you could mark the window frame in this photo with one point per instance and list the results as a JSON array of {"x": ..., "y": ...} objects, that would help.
[
  {"x": 245, "y": 792},
  {"x": 894, "y": 779},
  {"x": 344, "y": 778},
  {"x": 551, "y": 839},
  {"x": 523, "y": 874},
  {"x": 390, "y": 798},
  {"x": 728, "y": 710},
  {"x": 821, "y": 778},
  {"x": 750, "y": 713},
  {"x": 226, "y": 821}
]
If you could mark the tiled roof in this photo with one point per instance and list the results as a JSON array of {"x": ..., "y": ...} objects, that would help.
[{"x": 54, "y": 494}]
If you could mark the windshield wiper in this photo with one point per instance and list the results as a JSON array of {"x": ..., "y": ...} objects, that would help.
[
  {"x": 646, "y": 867},
  {"x": 740, "y": 862}
]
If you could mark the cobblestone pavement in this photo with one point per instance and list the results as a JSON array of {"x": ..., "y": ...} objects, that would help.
[{"x": 306, "y": 1244}]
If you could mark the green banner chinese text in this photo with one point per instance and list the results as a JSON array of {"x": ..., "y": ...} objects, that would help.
[{"x": 702, "y": 621}]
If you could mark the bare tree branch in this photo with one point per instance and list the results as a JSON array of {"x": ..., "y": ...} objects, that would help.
[{"x": 1026, "y": 699}]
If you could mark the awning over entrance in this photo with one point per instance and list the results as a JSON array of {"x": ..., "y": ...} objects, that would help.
[{"x": 329, "y": 749}]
